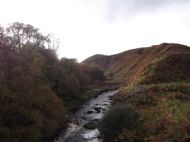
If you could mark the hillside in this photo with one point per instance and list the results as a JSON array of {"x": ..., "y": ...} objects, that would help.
[
  {"x": 128, "y": 66},
  {"x": 155, "y": 94}
]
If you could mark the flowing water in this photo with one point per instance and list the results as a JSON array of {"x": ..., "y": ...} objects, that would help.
[{"x": 91, "y": 111}]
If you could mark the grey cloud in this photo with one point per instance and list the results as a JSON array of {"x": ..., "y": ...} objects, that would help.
[{"x": 127, "y": 8}]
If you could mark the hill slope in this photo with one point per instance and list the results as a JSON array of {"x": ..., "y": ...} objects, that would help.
[
  {"x": 156, "y": 87},
  {"x": 129, "y": 66}
]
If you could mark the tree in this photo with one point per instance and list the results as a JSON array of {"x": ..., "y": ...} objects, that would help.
[
  {"x": 27, "y": 102},
  {"x": 35, "y": 85},
  {"x": 21, "y": 35}
]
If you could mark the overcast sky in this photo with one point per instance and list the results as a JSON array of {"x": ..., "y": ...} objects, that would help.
[{"x": 87, "y": 27}]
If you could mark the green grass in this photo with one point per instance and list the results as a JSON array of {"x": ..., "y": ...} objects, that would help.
[{"x": 164, "y": 110}]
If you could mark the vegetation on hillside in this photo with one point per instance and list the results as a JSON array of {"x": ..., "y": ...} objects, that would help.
[
  {"x": 159, "y": 93},
  {"x": 170, "y": 68},
  {"x": 163, "y": 109},
  {"x": 36, "y": 88},
  {"x": 128, "y": 66}
]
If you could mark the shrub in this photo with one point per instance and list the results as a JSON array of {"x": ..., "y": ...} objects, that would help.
[{"x": 118, "y": 119}]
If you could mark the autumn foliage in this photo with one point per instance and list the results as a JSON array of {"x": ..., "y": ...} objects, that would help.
[{"x": 36, "y": 88}]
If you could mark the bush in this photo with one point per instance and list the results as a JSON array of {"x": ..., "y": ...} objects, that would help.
[{"x": 118, "y": 119}]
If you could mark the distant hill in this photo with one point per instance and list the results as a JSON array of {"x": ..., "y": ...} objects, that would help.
[{"x": 131, "y": 66}]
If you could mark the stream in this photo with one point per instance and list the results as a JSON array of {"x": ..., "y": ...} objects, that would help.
[{"x": 91, "y": 111}]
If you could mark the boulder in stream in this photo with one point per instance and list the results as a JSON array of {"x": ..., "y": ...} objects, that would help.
[
  {"x": 90, "y": 112},
  {"x": 98, "y": 109}
]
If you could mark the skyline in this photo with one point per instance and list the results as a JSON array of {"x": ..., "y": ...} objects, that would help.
[{"x": 88, "y": 27}]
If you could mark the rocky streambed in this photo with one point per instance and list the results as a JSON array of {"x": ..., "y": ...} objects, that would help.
[{"x": 82, "y": 128}]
